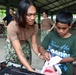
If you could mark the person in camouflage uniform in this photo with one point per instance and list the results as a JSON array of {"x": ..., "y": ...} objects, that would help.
[{"x": 23, "y": 27}]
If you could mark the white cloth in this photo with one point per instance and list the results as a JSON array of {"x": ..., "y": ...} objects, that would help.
[
  {"x": 14, "y": 64},
  {"x": 53, "y": 61}
]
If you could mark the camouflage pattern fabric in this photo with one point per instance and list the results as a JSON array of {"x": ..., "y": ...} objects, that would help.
[
  {"x": 5, "y": 33},
  {"x": 11, "y": 56}
]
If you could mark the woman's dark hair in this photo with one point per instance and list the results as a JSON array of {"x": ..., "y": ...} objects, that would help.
[
  {"x": 64, "y": 16},
  {"x": 22, "y": 11},
  {"x": 45, "y": 13},
  {"x": 12, "y": 8}
]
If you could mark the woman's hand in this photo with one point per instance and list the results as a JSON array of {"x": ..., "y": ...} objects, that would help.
[{"x": 48, "y": 30}]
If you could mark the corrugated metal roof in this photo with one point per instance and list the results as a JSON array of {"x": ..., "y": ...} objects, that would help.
[{"x": 51, "y": 6}]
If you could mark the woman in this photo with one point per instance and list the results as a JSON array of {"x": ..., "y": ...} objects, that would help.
[
  {"x": 22, "y": 28},
  {"x": 47, "y": 25}
]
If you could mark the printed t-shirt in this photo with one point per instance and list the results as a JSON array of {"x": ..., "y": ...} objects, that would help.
[{"x": 63, "y": 47}]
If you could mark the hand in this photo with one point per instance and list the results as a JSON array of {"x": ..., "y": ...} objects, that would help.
[
  {"x": 32, "y": 70},
  {"x": 48, "y": 30},
  {"x": 45, "y": 56},
  {"x": 41, "y": 56}
]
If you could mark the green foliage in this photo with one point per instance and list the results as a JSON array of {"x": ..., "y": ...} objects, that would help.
[{"x": 2, "y": 13}]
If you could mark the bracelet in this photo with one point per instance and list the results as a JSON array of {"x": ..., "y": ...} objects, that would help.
[{"x": 39, "y": 54}]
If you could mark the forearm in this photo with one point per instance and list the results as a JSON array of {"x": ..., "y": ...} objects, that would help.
[
  {"x": 52, "y": 27},
  {"x": 35, "y": 48},
  {"x": 4, "y": 23},
  {"x": 40, "y": 53},
  {"x": 45, "y": 54},
  {"x": 34, "y": 45},
  {"x": 20, "y": 54},
  {"x": 24, "y": 61},
  {"x": 65, "y": 60},
  {"x": 41, "y": 50}
]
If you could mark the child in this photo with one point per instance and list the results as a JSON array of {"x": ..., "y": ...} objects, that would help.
[{"x": 61, "y": 42}]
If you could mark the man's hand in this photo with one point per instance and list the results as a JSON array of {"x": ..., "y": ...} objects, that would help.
[{"x": 45, "y": 56}]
